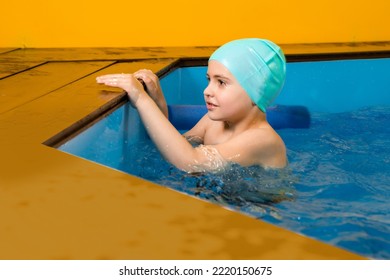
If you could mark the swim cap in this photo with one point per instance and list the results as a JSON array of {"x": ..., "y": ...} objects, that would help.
[{"x": 258, "y": 65}]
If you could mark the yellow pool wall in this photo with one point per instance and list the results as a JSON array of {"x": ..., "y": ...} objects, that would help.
[{"x": 74, "y": 23}]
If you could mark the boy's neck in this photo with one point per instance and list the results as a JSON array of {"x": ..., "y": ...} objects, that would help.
[{"x": 254, "y": 119}]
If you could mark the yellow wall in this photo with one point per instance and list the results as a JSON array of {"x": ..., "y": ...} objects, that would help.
[{"x": 123, "y": 23}]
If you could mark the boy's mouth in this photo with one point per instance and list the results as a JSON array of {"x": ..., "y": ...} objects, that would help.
[{"x": 211, "y": 106}]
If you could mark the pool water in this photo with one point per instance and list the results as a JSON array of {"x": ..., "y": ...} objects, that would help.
[
  {"x": 337, "y": 186},
  {"x": 344, "y": 156}
]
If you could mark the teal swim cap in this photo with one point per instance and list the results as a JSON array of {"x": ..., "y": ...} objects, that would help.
[{"x": 258, "y": 65}]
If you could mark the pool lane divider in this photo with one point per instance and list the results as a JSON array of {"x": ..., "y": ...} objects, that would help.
[{"x": 184, "y": 117}]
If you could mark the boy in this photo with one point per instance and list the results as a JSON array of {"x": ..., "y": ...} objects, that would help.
[{"x": 245, "y": 76}]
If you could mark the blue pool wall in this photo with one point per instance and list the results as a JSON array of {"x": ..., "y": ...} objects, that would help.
[
  {"x": 322, "y": 86},
  {"x": 113, "y": 141},
  {"x": 331, "y": 86}
]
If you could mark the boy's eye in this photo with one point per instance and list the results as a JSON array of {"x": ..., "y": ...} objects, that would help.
[{"x": 222, "y": 82}]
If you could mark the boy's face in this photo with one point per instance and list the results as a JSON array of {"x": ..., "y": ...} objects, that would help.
[{"x": 225, "y": 99}]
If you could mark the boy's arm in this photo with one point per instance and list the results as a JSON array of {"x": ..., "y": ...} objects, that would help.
[{"x": 171, "y": 144}]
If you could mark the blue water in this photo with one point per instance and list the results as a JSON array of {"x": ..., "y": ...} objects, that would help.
[
  {"x": 337, "y": 185},
  {"x": 335, "y": 189},
  {"x": 343, "y": 192}
]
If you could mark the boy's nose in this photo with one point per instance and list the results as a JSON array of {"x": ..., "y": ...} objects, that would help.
[{"x": 207, "y": 91}]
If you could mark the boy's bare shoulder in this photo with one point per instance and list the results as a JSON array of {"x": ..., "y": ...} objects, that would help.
[
  {"x": 270, "y": 147},
  {"x": 263, "y": 146}
]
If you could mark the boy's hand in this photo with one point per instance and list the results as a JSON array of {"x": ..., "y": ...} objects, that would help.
[{"x": 127, "y": 82}]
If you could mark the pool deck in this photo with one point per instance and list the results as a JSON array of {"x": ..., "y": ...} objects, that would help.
[{"x": 57, "y": 206}]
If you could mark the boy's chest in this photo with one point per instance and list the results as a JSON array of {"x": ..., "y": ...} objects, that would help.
[{"x": 216, "y": 134}]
